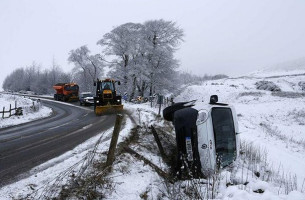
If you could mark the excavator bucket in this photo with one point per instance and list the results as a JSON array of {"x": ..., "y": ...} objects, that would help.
[{"x": 108, "y": 109}]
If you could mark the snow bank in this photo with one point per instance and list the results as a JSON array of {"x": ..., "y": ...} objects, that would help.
[
  {"x": 30, "y": 113},
  {"x": 138, "y": 180}
]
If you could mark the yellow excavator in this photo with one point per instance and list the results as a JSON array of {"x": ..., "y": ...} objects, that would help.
[{"x": 106, "y": 99}]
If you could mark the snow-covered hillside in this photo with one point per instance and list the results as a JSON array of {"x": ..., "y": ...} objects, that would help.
[
  {"x": 274, "y": 121},
  {"x": 30, "y": 113},
  {"x": 285, "y": 68}
]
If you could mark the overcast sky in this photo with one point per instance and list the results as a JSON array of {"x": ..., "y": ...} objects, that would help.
[{"x": 232, "y": 37}]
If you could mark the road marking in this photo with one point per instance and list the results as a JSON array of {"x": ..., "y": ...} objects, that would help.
[
  {"x": 86, "y": 127},
  {"x": 58, "y": 126},
  {"x": 44, "y": 141}
]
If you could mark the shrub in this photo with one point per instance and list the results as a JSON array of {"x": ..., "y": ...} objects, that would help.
[
  {"x": 255, "y": 94},
  {"x": 302, "y": 85},
  {"x": 289, "y": 94},
  {"x": 267, "y": 85}
]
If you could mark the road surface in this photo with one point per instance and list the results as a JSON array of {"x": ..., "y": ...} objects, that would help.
[{"x": 25, "y": 146}]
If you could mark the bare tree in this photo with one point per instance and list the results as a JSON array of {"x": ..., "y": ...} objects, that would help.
[
  {"x": 123, "y": 43},
  {"x": 87, "y": 67},
  {"x": 163, "y": 38},
  {"x": 143, "y": 54},
  {"x": 31, "y": 78},
  {"x": 54, "y": 73}
]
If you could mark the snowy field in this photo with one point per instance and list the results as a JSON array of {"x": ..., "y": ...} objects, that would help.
[
  {"x": 270, "y": 122},
  {"x": 30, "y": 113}
]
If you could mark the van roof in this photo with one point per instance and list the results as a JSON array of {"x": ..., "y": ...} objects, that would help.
[{"x": 207, "y": 106}]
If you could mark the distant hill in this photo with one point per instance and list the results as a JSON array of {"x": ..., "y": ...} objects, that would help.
[{"x": 285, "y": 68}]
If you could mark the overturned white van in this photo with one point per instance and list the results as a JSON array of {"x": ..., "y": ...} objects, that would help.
[{"x": 207, "y": 135}]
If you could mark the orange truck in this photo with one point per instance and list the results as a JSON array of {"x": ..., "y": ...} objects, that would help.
[{"x": 66, "y": 92}]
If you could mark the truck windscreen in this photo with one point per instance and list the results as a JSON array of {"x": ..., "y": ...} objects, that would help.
[
  {"x": 107, "y": 86},
  {"x": 224, "y": 133},
  {"x": 71, "y": 88}
]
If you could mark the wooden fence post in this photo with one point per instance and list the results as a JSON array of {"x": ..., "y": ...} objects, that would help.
[
  {"x": 154, "y": 132},
  {"x": 114, "y": 140},
  {"x": 159, "y": 111},
  {"x": 10, "y": 110},
  {"x": 3, "y": 113}
]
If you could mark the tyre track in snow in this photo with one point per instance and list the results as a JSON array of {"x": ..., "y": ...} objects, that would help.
[{"x": 25, "y": 146}]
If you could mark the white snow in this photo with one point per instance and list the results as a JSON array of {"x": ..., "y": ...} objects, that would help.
[
  {"x": 271, "y": 122},
  {"x": 292, "y": 67},
  {"x": 47, "y": 173},
  {"x": 267, "y": 121},
  {"x": 134, "y": 182},
  {"x": 29, "y": 114}
]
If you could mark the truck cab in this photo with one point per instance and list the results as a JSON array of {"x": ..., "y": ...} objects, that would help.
[{"x": 66, "y": 92}]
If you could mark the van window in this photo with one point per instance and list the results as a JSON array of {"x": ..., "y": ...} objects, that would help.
[
  {"x": 87, "y": 95},
  {"x": 224, "y": 133}
]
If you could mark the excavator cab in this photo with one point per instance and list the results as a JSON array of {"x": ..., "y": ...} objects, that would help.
[
  {"x": 107, "y": 86},
  {"x": 106, "y": 99}
]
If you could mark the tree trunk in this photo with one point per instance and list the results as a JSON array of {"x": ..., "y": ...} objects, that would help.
[
  {"x": 139, "y": 88},
  {"x": 142, "y": 89},
  {"x": 132, "y": 94},
  {"x": 150, "y": 90},
  {"x": 151, "y": 85}
]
